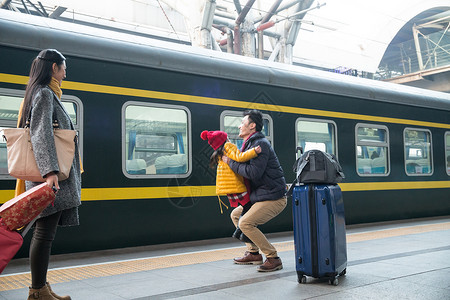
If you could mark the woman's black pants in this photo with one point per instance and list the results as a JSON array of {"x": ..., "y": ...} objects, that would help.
[{"x": 40, "y": 248}]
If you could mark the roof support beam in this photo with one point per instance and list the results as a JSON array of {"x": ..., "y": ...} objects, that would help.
[
  {"x": 266, "y": 18},
  {"x": 237, "y": 4},
  {"x": 208, "y": 14},
  {"x": 417, "y": 44},
  {"x": 302, "y": 9},
  {"x": 5, "y": 3},
  {"x": 42, "y": 13},
  {"x": 57, "y": 12},
  {"x": 237, "y": 29},
  {"x": 244, "y": 12}
]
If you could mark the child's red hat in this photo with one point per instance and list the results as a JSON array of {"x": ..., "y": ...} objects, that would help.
[{"x": 215, "y": 138}]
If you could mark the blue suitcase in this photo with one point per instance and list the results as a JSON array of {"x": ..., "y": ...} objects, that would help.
[{"x": 319, "y": 232}]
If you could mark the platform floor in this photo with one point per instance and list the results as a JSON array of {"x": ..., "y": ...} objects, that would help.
[{"x": 396, "y": 260}]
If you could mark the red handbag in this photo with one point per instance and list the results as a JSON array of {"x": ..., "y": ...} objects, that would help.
[
  {"x": 10, "y": 243},
  {"x": 22, "y": 209}
]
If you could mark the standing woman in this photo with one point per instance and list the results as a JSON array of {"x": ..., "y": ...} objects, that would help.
[{"x": 41, "y": 106}]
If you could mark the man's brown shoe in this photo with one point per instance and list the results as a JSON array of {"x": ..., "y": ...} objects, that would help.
[
  {"x": 271, "y": 264},
  {"x": 249, "y": 259}
]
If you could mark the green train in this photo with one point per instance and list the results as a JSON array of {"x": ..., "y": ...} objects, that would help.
[{"x": 139, "y": 106}]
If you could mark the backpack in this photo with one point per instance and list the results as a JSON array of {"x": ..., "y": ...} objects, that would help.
[{"x": 315, "y": 166}]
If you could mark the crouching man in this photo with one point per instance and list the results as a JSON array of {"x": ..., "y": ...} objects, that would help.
[{"x": 265, "y": 182}]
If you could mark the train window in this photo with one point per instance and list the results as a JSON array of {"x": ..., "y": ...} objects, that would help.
[
  {"x": 447, "y": 151},
  {"x": 316, "y": 134},
  {"x": 156, "y": 140},
  {"x": 230, "y": 121},
  {"x": 10, "y": 101},
  {"x": 71, "y": 109},
  {"x": 9, "y": 108},
  {"x": 418, "y": 152},
  {"x": 74, "y": 109},
  {"x": 372, "y": 150},
  {"x": 9, "y": 111}
]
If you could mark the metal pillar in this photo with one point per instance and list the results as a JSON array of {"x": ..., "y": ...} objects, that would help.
[
  {"x": 302, "y": 9},
  {"x": 205, "y": 31},
  {"x": 292, "y": 28},
  {"x": 417, "y": 45},
  {"x": 237, "y": 29},
  {"x": 230, "y": 41},
  {"x": 265, "y": 19},
  {"x": 275, "y": 52}
]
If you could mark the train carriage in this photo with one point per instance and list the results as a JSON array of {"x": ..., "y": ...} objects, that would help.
[{"x": 139, "y": 106}]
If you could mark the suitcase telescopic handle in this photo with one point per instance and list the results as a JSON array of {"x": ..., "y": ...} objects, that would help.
[
  {"x": 299, "y": 148},
  {"x": 298, "y": 152}
]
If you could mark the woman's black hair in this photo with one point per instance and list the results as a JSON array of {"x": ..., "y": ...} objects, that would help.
[
  {"x": 40, "y": 75},
  {"x": 217, "y": 154}
]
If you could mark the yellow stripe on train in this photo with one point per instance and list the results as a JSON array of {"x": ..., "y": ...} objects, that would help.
[
  {"x": 92, "y": 194},
  {"x": 95, "y": 194},
  {"x": 400, "y": 185}
]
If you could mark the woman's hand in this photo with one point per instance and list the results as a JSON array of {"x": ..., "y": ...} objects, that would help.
[
  {"x": 225, "y": 159},
  {"x": 52, "y": 180}
]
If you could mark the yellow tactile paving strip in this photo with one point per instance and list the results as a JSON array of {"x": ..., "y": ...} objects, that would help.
[
  {"x": 381, "y": 234},
  {"x": 18, "y": 281}
]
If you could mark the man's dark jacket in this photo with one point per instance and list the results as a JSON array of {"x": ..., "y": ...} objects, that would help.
[{"x": 264, "y": 171}]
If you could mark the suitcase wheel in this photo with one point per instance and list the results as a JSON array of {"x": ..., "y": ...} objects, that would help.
[
  {"x": 302, "y": 279},
  {"x": 333, "y": 281},
  {"x": 343, "y": 272}
]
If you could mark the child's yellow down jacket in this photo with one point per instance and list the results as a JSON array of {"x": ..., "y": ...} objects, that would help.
[{"x": 228, "y": 182}]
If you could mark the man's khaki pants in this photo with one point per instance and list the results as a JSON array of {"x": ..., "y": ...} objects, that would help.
[{"x": 259, "y": 213}]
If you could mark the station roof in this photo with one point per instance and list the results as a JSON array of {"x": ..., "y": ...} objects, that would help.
[
  {"x": 351, "y": 34},
  {"x": 356, "y": 34}
]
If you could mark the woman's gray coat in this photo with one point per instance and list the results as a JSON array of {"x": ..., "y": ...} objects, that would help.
[{"x": 45, "y": 108}]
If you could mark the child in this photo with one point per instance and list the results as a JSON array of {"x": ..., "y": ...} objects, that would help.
[{"x": 227, "y": 182}]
